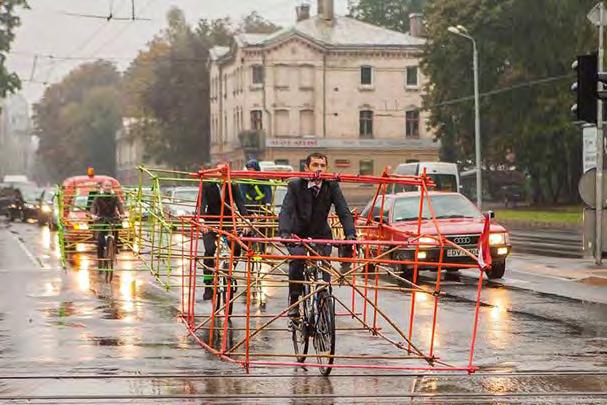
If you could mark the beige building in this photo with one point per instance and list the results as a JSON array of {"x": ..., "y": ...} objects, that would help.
[
  {"x": 330, "y": 84},
  {"x": 130, "y": 151}
]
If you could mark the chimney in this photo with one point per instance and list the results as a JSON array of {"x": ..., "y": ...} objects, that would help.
[
  {"x": 328, "y": 11},
  {"x": 303, "y": 12},
  {"x": 416, "y": 25}
]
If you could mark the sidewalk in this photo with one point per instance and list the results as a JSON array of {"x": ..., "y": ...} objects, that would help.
[{"x": 583, "y": 270}]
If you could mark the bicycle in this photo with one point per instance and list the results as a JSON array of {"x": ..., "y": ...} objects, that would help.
[
  {"x": 223, "y": 277},
  {"x": 317, "y": 320},
  {"x": 108, "y": 258}
]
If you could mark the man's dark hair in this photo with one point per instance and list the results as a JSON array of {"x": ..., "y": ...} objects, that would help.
[{"x": 316, "y": 155}]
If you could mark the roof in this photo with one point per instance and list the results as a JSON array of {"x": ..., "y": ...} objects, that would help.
[
  {"x": 247, "y": 39},
  {"x": 217, "y": 52},
  {"x": 86, "y": 179},
  {"x": 345, "y": 32}
]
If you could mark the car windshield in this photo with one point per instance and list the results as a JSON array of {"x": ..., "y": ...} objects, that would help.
[
  {"x": 186, "y": 196},
  {"x": 80, "y": 203},
  {"x": 444, "y": 206},
  {"x": 49, "y": 196},
  {"x": 443, "y": 182},
  {"x": 279, "y": 195},
  {"x": 31, "y": 193}
]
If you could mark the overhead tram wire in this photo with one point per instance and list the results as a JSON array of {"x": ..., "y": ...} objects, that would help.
[
  {"x": 122, "y": 31},
  {"x": 77, "y": 49}
]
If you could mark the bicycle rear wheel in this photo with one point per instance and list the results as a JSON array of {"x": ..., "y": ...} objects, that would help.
[
  {"x": 110, "y": 257},
  {"x": 222, "y": 291},
  {"x": 324, "y": 338}
]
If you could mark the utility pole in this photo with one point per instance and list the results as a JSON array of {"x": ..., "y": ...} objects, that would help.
[{"x": 599, "y": 147}]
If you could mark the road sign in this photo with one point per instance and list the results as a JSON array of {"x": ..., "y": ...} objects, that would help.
[
  {"x": 589, "y": 148},
  {"x": 587, "y": 187},
  {"x": 594, "y": 15}
]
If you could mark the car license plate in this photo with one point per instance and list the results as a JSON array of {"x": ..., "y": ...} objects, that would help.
[{"x": 461, "y": 253}]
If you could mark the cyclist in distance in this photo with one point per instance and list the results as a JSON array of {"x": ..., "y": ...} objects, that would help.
[{"x": 105, "y": 210}]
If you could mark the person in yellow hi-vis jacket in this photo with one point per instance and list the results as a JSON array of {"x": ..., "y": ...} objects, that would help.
[{"x": 256, "y": 194}]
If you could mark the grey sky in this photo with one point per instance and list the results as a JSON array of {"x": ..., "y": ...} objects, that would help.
[{"x": 47, "y": 30}]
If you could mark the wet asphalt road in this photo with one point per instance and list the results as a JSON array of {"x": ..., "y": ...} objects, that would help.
[{"x": 125, "y": 342}]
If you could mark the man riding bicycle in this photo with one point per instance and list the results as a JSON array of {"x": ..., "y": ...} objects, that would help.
[
  {"x": 304, "y": 214},
  {"x": 211, "y": 207},
  {"x": 106, "y": 210}
]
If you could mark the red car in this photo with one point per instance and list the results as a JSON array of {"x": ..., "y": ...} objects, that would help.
[{"x": 458, "y": 219}]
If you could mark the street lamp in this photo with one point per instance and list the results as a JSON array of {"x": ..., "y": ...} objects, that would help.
[{"x": 463, "y": 32}]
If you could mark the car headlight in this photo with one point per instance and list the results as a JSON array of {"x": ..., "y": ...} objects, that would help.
[
  {"x": 426, "y": 242},
  {"x": 125, "y": 223},
  {"x": 496, "y": 239},
  {"x": 81, "y": 226},
  {"x": 30, "y": 206},
  {"x": 46, "y": 209}
]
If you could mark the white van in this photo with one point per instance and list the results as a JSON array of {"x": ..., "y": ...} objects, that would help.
[{"x": 445, "y": 175}]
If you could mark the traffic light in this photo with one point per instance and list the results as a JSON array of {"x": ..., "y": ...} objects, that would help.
[{"x": 585, "y": 108}]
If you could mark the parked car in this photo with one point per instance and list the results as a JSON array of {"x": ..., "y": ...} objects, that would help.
[
  {"x": 26, "y": 202},
  {"x": 511, "y": 195},
  {"x": 279, "y": 194},
  {"x": 444, "y": 175},
  {"x": 47, "y": 210},
  {"x": 181, "y": 201},
  {"x": 458, "y": 219},
  {"x": 7, "y": 195}
]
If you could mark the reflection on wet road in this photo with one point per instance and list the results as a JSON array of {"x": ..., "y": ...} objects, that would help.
[{"x": 70, "y": 322}]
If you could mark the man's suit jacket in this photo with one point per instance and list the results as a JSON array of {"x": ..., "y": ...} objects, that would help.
[
  {"x": 304, "y": 214},
  {"x": 211, "y": 200}
]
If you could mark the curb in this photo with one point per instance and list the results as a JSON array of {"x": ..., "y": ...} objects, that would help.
[{"x": 517, "y": 224}]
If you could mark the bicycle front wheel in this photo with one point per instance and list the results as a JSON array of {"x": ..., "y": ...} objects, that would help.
[
  {"x": 324, "y": 338},
  {"x": 300, "y": 334},
  {"x": 110, "y": 259}
]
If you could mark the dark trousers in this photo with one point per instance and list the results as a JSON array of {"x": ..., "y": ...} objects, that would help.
[
  {"x": 296, "y": 267},
  {"x": 210, "y": 249},
  {"x": 101, "y": 242}
]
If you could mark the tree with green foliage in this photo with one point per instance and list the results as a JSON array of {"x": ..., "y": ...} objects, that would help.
[
  {"x": 9, "y": 21},
  {"x": 254, "y": 23},
  {"x": 166, "y": 88},
  {"x": 77, "y": 119},
  {"x": 392, "y": 14},
  {"x": 519, "y": 42}
]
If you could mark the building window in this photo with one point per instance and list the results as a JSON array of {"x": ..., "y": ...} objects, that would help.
[
  {"x": 281, "y": 76},
  {"x": 282, "y": 123},
  {"x": 366, "y": 167},
  {"x": 342, "y": 163},
  {"x": 366, "y": 123},
  {"x": 306, "y": 77},
  {"x": 282, "y": 162},
  {"x": 257, "y": 74},
  {"x": 366, "y": 75},
  {"x": 412, "y": 161},
  {"x": 412, "y": 123},
  {"x": 302, "y": 165},
  {"x": 306, "y": 122},
  {"x": 256, "y": 120},
  {"x": 411, "y": 76}
]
